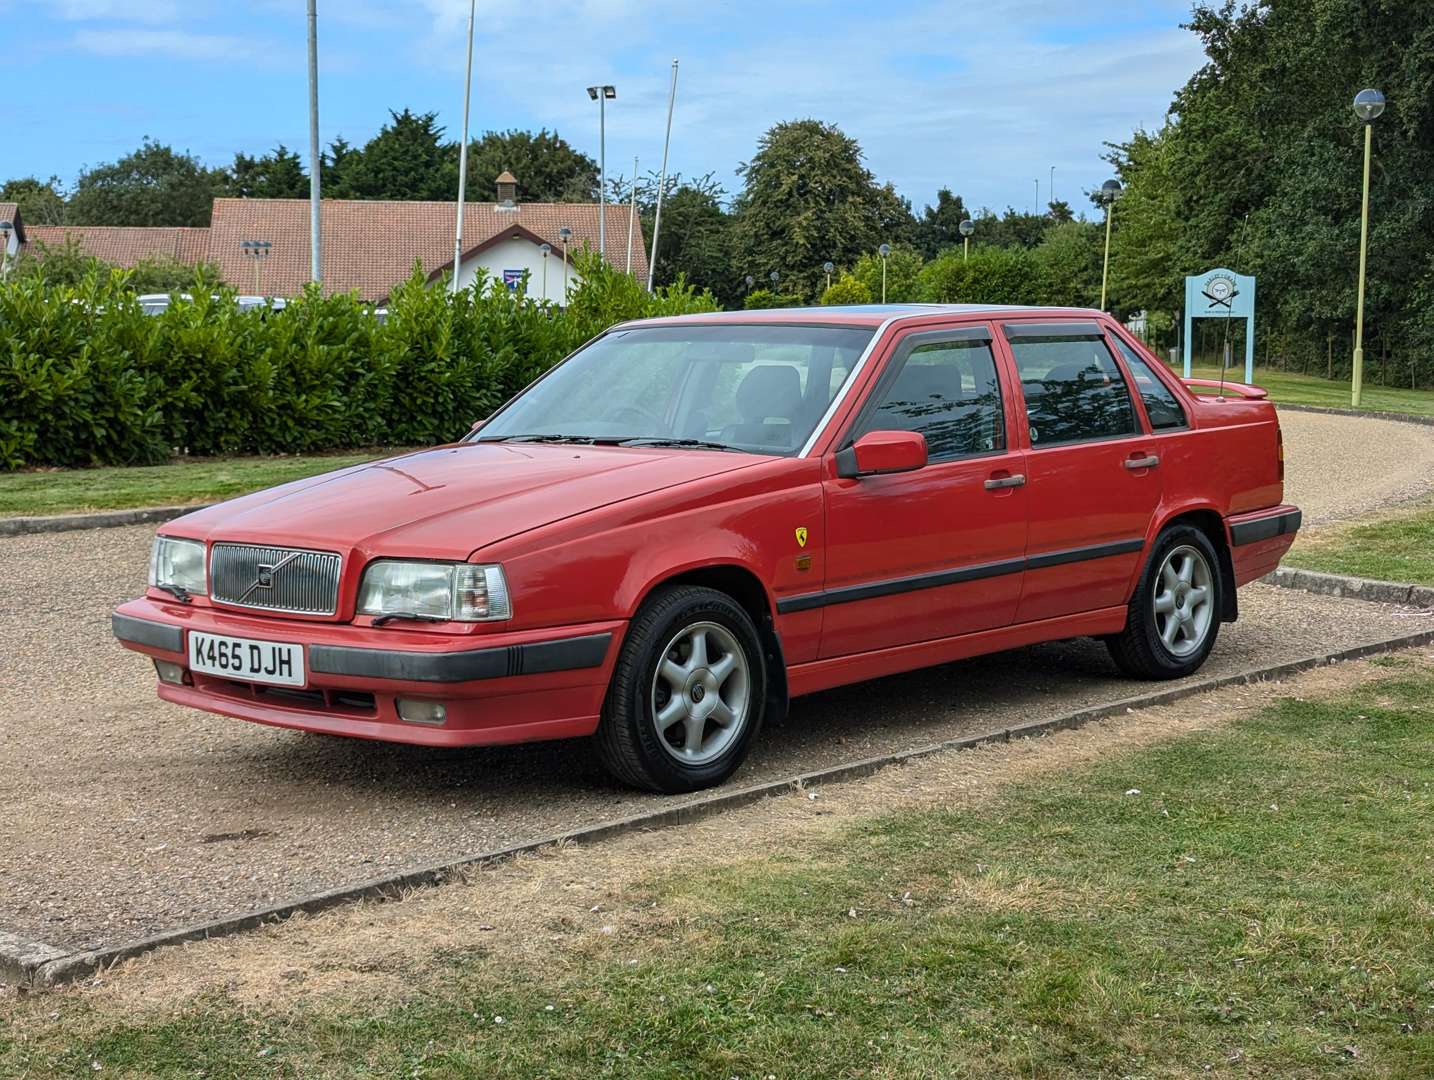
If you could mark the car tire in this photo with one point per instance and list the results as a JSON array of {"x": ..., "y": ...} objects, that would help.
[
  {"x": 1174, "y": 616},
  {"x": 687, "y": 694}
]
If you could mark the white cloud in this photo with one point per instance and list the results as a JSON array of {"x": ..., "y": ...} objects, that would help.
[
  {"x": 173, "y": 43},
  {"x": 148, "y": 11}
]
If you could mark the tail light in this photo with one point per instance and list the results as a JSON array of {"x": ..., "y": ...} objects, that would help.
[{"x": 1280, "y": 450}]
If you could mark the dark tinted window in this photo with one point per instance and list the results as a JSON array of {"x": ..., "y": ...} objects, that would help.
[
  {"x": 1161, "y": 404},
  {"x": 1074, "y": 391},
  {"x": 948, "y": 392}
]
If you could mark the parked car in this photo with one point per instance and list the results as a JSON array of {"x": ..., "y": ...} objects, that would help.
[
  {"x": 158, "y": 303},
  {"x": 692, "y": 520}
]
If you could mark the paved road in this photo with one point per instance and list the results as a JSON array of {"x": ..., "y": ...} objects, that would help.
[{"x": 125, "y": 816}]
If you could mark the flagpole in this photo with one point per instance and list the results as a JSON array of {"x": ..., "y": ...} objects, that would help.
[
  {"x": 315, "y": 159},
  {"x": 463, "y": 155},
  {"x": 662, "y": 181}
]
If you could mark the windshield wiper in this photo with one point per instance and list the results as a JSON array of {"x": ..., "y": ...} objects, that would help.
[
  {"x": 696, "y": 444},
  {"x": 179, "y": 592},
  {"x": 410, "y": 616},
  {"x": 591, "y": 439}
]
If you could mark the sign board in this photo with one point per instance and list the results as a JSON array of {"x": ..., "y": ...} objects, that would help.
[
  {"x": 513, "y": 278},
  {"x": 1222, "y": 294}
]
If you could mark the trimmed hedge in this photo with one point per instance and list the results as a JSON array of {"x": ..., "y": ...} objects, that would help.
[{"x": 87, "y": 379}]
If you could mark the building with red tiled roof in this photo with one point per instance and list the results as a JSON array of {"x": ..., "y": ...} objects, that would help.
[
  {"x": 371, "y": 246},
  {"x": 12, "y": 234},
  {"x": 125, "y": 245}
]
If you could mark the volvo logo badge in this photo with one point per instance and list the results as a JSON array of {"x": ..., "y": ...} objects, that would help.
[{"x": 265, "y": 575}]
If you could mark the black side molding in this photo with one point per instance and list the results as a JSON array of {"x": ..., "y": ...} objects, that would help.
[
  {"x": 849, "y": 593},
  {"x": 144, "y": 632},
  {"x": 534, "y": 658},
  {"x": 1248, "y": 532}
]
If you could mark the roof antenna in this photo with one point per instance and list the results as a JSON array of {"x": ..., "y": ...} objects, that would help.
[{"x": 1230, "y": 310}]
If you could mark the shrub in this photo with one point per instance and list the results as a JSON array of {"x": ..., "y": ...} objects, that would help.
[
  {"x": 846, "y": 290},
  {"x": 903, "y": 271},
  {"x": 991, "y": 276},
  {"x": 87, "y": 379},
  {"x": 758, "y": 299}
]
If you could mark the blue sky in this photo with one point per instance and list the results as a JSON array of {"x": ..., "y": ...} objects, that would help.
[{"x": 981, "y": 97}]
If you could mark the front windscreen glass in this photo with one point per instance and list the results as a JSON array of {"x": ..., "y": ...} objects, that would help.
[{"x": 759, "y": 388}]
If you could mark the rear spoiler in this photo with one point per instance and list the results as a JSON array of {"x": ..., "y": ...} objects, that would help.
[{"x": 1251, "y": 393}]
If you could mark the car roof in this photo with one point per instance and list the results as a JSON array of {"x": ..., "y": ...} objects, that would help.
[{"x": 871, "y": 315}]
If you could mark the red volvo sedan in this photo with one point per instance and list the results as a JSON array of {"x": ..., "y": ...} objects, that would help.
[{"x": 692, "y": 520}]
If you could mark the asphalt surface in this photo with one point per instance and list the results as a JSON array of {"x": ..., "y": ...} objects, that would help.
[{"x": 124, "y": 816}]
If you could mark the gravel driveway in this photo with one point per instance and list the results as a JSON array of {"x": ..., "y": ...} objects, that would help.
[{"x": 125, "y": 816}]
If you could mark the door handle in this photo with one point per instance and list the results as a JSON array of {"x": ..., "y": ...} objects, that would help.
[
  {"x": 999, "y": 482},
  {"x": 1147, "y": 462}
]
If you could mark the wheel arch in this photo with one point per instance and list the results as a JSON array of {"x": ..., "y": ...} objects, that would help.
[
  {"x": 1212, "y": 523},
  {"x": 746, "y": 588}
]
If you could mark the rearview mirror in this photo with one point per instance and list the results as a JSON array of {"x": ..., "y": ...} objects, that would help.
[{"x": 880, "y": 452}]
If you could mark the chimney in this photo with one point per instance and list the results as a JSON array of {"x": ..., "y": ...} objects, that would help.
[{"x": 507, "y": 189}]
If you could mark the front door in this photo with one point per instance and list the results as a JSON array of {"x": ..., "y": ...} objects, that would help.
[
  {"x": 1093, "y": 475},
  {"x": 935, "y": 552}
]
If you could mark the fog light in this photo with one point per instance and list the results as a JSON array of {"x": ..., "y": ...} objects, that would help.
[
  {"x": 421, "y": 712},
  {"x": 170, "y": 672}
]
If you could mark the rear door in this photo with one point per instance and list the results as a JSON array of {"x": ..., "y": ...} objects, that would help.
[
  {"x": 935, "y": 552},
  {"x": 1093, "y": 471}
]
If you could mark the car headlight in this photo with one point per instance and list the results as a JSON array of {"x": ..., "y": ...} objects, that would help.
[
  {"x": 178, "y": 564},
  {"x": 433, "y": 590}
]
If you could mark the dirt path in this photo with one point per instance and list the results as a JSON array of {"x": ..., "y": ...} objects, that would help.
[{"x": 1341, "y": 467}]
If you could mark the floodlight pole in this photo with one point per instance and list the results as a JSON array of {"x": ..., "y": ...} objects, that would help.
[
  {"x": 631, "y": 216},
  {"x": 662, "y": 180},
  {"x": 463, "y": 156},
  {"x": 315, "y": 160}
]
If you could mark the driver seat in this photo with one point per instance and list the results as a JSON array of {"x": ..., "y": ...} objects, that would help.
[{"x": 767, "y": 399}]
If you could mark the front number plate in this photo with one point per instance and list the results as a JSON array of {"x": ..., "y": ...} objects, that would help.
[{"x": 275, "y": 662}]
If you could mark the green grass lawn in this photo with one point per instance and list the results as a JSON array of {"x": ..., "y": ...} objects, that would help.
[
  {"x": 1399, "y": 547},
  {"x": 1253, "y": 900},
  {"x": 1294, "y": 389},
  {"x": 197, "y": 480}
]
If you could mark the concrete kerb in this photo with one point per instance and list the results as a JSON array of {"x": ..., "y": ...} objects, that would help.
[
  {"x": 34, "y": 966},
  {"x": 1353, "y": 588},
  {"x": 1403, "y": 418},
  {"x": 108, "y": 519}
]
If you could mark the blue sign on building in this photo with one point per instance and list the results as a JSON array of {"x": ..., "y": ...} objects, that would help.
[
  {"x": 1222, "y": 294},
  {"x": 512, "y": 279}
]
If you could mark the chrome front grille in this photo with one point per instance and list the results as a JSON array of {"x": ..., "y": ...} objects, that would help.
[{"x": 275, "y": 578}]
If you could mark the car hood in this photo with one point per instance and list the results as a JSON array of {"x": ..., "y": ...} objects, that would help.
[{"x": 448, "y": 502}]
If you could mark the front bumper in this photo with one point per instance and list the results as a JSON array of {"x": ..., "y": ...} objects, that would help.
[{"x": 495, "y": 688}]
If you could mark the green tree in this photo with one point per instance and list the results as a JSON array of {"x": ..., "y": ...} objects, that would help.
[
  {"x": 545, "y": 165},
  {"x": 407, "y": 159},
  {"x": 809, "y": 198},
  {"x": 39, "y": 202},
  {"x": 151, "y": 186},
  {"x": 1068, "y": 260},
  {"x": 939, "y": 226},
  {"x": 278, "y": 174},
  {"x": 336, "y": 168}
]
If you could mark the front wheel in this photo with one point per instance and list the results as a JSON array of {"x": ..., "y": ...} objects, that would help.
[
  {"x": 687, "y": 693},
  {"x": 1174, "y": 615}
]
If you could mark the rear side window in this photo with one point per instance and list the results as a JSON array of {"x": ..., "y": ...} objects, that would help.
[
  {"x": 1161, "y": 405},
  {"x": 1074, "y": 390},
  {"x": 947, "y": 391}
]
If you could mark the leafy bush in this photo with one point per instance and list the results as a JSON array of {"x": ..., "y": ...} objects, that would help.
[
  {"x": 86, "y": 378},
  {"x": 903, "y": 269},
  {"x": 758, "y": 299},
  {"x": 846, "y": 290},
  {"x": 991, "y": 276}
]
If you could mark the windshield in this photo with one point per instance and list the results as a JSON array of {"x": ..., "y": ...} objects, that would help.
[{"x": 757, "y": 388}]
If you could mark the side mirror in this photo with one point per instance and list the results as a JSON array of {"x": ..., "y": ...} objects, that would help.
[
  {"x": 477, "y": 425},
  {"x": 879, "y": 452}
]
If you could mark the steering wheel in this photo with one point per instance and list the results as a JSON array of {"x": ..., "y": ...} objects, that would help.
[{"x": 650, "y": 421}]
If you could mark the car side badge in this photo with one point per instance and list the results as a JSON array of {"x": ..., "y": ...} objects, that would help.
[{"x": 801, "y": 536}]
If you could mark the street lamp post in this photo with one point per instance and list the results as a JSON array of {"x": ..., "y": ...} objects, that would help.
[
  {"x": 564, "y": 235},
  {"x": 258, "y": 250},
  {"x": 883, "y": 251},
  {"x": 1368, "y": 104},
  {"x": 631, "y": 216},
  {"x": 602, "y": 95},
  {"x": 750, "y": 282},
  {"x": 1109, "y": 192},
  {"x": 546, "y": 249},
  {"x": 774, "y": 277},
  {"x": 827, "y": 268},
  {"x": 463, "y": 156},
  {"x": 966, "y": 228}
]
